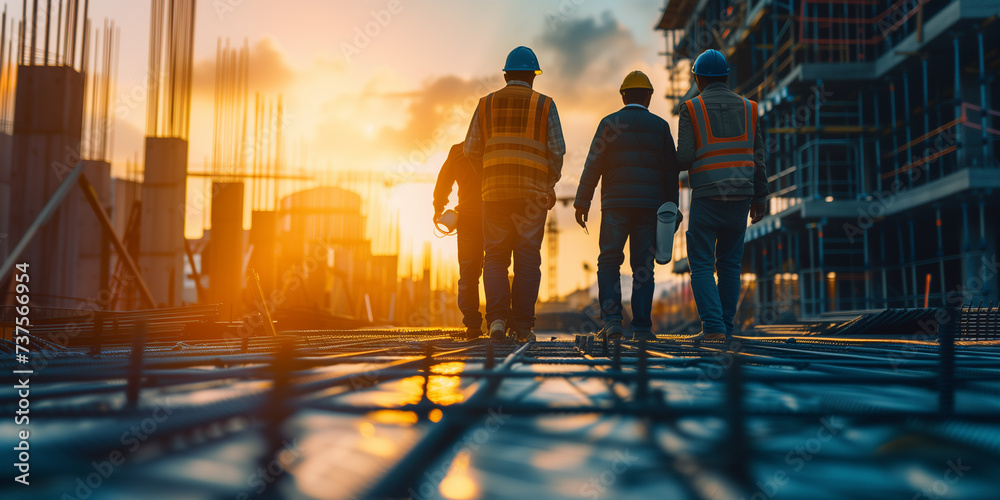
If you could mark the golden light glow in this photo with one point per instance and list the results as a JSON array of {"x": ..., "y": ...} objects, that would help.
[
  {"x": 393, "y": 417},
  {"x": 458, "y": 484},
  {"x": 379, "y": 446},
  {"x": 367, "y": 429},
  {"x": 442, "y": 390},
  {"x": 435, "y": 415}
]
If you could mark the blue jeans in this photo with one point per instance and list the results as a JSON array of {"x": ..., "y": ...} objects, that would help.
[
  {"x": 470, "y": 267},
  {"x": 638, "y": 226},
  {"x": 513, "y": 228},
  {"x": 715, "y": 243}
]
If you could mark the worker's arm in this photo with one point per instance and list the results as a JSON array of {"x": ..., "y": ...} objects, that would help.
[
  {"x": 445, "y": 181},
  {"x": 556, "y": 146},
  {"x": 685, "y": 140},
  {"x": 592, "y": 170},
  {"x": 474, "y": 143},
  {"x": 758, "y": 205}
]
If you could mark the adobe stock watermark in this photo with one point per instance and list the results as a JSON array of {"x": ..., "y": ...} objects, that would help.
[
  {"x": 929, "y": 329},
  {"x": 598, "y": 485},
  {"x": 266, "y": 475},
  {"x": 364, "y": 35},
  {"x": 131, "y": 440},
  {"x": 713, "y": 373},
  {"x": 471, "y": 442},
  {"x": 953, "y": 473},
  {"x": 223, "y": 8},
  {"x": 900, "y": 13},
  {"x": 563, "y": 12},
  {"x": 459, "y": 116},
  {"x": 135, "y": 97},
  {"x": 880, "y": 202},
  {"x": 797, "y": 458}
]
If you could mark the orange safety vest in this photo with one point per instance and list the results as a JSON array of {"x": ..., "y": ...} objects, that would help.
[
  {"x": 514, "y": 121},
  {"x": 725, "y": 161}
]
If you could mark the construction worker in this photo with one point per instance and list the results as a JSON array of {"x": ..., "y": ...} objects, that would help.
[
  {"x": 721, "y": 147},
  {"x": 516, "y": 141},
  {"x": 633, "y": 156},
  {"x": 469, "y": 229}
]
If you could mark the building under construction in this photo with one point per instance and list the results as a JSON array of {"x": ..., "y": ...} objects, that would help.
[{"x": 881, "y": 128}]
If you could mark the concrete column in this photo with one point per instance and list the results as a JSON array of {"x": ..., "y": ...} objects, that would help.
[
  {"x": 161, "y": 259},
  {"x": 263, "y": 237},
  {"x": 225, "y": 249},
  {"x": 46, "y": 144}
]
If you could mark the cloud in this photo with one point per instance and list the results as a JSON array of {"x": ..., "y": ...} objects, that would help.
[
  {"x": 598, "y": 50},
  {"x": 584, "y": 60},
  {"x": 270, "y": 71},
  {"x": 438, "y": 111}
]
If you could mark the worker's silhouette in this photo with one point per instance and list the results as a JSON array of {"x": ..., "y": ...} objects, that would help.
[
  {"x": 633, "y": 156},
  {"x": 720, "y": 145},
  {"x": 516, "y": 141},
  {"x": 469, "y": 229}
]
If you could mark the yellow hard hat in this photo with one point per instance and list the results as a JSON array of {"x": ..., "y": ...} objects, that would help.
[{"x": 636, "y": 80}]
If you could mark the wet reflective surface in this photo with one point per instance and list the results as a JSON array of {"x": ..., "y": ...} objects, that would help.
[{"x": 828, "y": 419}]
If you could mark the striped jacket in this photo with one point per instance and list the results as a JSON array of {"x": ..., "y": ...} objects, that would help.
[
  {"x": 515, "y": 139},
  {"x": 721, "y": 125}
]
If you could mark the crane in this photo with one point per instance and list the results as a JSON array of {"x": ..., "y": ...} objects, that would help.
[{"x": 552, "y": 230}]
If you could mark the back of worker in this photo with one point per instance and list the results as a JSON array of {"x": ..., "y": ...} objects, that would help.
[
  {"x": 633, "y": 157},
  {"x": 515, "y": 140},
  {"x": 720, "y": 145}
]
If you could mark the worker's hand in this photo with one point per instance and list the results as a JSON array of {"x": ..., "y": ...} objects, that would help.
[
  {"x": 437, "y": 213},
  {"x": 550, "y": 200},
  {"x": 581, "y": 216},
  {"x": 757, "y": 212},
  {"x": 680, "y": 218}
]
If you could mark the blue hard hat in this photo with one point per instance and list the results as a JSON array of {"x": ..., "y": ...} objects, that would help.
[
  {"x": 710, "y": 63},
  {"x": 522, "y": 59}
]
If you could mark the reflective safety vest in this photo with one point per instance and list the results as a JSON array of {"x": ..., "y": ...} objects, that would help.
[
  {"x": 514, "y": 121},
  {"x": 721, "y": 162}
]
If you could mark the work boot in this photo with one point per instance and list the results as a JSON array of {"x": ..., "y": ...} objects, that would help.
[
  {"x": 525, "y": 335},
  {"x": 698, "y": 337},
  {"x": 498, "y": 331},
  {"x": 643, "y": 335},
  {"x": 610, "y": 332},
  {"x": 472, "y": 333}
]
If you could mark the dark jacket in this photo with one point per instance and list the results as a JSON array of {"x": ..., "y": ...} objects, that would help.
[
  {"x": 725, "y": 116},
  {"x": 457, "y": 168},
  {"x": 633, "y": 156}
]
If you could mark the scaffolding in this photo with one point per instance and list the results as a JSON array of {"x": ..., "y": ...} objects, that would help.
[{"x": 881, "y": 132}]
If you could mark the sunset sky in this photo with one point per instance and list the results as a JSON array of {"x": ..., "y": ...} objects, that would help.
[{"x": 378, "y": 100}]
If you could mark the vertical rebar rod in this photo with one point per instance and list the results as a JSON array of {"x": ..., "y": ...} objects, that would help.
[
  {"x": 737, "y": 444},
  {"x": 76, "y": 20},
  {"x": 34, "y": 31},
  {"x": 278, "y": 150},
  {"x": 3, "y": 70},
  {"x": 169, "y": 105},
  {"x": 135, "y": 366},
  {"x": 20, "y": 31},
  {"x": 59, "y": 20},
  {"x": 113, "y": 88},
  {"x": 946, "y": 381},
  {"x": 48, "y": 18},
  {"x": 983, "y": 105}
]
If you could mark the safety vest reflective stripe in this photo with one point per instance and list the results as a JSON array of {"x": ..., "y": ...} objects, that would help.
[
  {"x": 729, "y": 159},
  {"x": 515, "y": 134}
]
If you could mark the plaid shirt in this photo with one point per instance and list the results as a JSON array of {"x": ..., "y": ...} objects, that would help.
[{"x": 555, "y": 145}]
